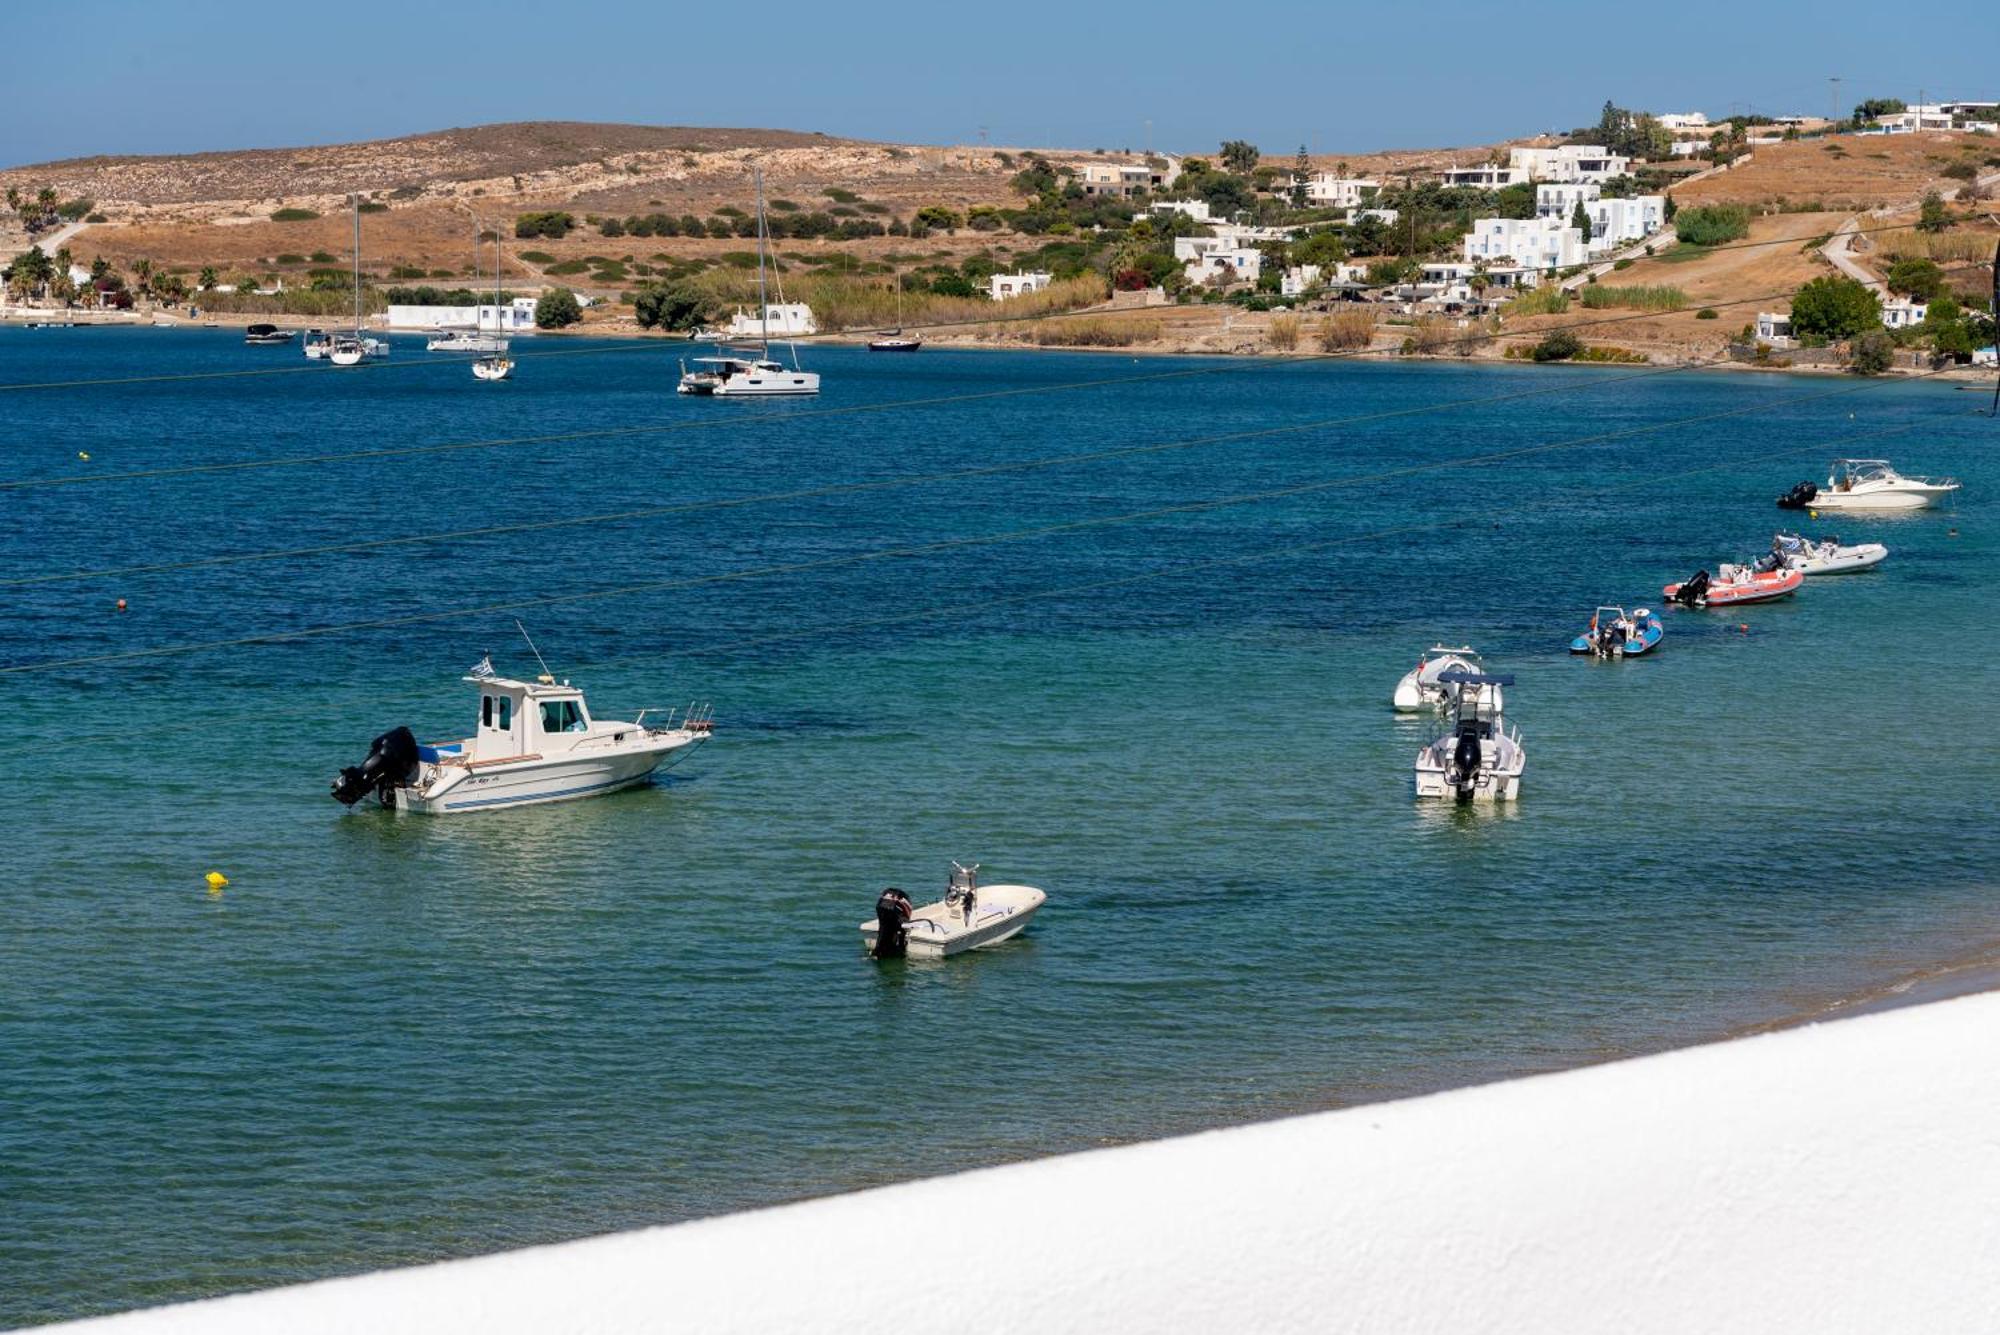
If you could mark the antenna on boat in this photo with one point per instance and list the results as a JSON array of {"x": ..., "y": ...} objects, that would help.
[{"x": 546, "y": 674}]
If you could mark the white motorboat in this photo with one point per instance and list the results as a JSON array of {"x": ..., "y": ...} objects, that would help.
[
  {"x": 751, "y": 372},
  {"x": 1476, "y": 759},
  {"x": 535, "y": 742},
  {"x": 1823, "y": 556},
  {"x": 464, "y": 340},
  {"x": 971, "y": 916},
  {"x": 1420, "y": 688},
  {"x": 493, "y": 368},
  {"x": 1867, "y": 484},
  {"x": 317, "y": 344}
]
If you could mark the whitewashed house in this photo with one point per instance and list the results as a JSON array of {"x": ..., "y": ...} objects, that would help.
[
  {"x": 1450, "y": 282},
  {"x": 1534, "y": 243},
  {"x": 1618, "y": 222},
  {"x": 1227, "y": 263},
  {"x": 516, "y": 317},
  {"x": 1329, "y": 190},
  {"x": 1774, "y": 328},
  {"x": 1683, "y": 120},
  {"x": 1559, "y": 199},
  {"x": 1902, "y": 313},
  {"x": 1299, "y": 280},
  {"x": 1001, "y": 286},
  {"x": 1195, "y": 209},
  {"x": 791, "y": 319},
  {"x": 1385, "y": 216},
  {"x": 1568, "y": 162},
  {"x": 1486, "y": 176},
  {"x": 1126, "y": 179}
]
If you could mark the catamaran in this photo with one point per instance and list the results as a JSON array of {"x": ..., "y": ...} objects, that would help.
[{"x": 749, "y": 370}]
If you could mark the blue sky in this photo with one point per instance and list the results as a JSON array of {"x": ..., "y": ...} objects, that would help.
[{"x": 157, "y": 77}]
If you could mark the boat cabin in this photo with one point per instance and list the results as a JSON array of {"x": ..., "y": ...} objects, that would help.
[{"x": 529, "y": 718}]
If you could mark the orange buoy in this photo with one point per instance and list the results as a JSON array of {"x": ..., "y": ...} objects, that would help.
[
  {"x": 1743, "y": 626},
  {"x": 121, "y": 604}
]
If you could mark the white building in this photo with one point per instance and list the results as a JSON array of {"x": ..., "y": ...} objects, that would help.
[
  {"x": 1774, "y": 328},
  {"x": 1483, "y": 177},
  {"x": 1125, "y": 179},
  {"x": 1329, "y": 190},
  {"x": 1534, "y": 243},
  {"x": 1001, "y": 286},
  {"x": 1559, "y": 199},
  {"x": 1195, "y": 209},
  {"x": 1918, "y": 116},
  {"x": 1901, "y": 314},
  {"x": 1385, "y": 216},
  {"x": 516, "y": 317},
  {"x": 1299, "y": 280},
  {"x": 1568, "y": 162},
  {"x": 1228, "y": 263},
  {"x": 1683, "y": 120},
  {"x": 791, "y": 319},
  {"x": 1615, "y": 222},
  {"x": 1450, "y": 282}
]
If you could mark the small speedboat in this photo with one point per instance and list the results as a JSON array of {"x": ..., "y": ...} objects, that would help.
[
  {"x": 1420, "y": 687},
  {"x": 971, "y": 916},
  {"x": 1733, "y": 585},
  {"x": 1475, "y": 759},
  {"x": 1616, "y": 633},
  {"x": 268, "y": 335},
  {"x": 317, "y": 344},
  {"x": 493, "y": 368},
  {"x": 535, "y": 742},
  {"x": 1867, "y": 484},
  {"x": 1822, "y": 556}
]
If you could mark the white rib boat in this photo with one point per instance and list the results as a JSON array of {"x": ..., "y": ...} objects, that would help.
[
  {"x": 535, "y": 742},
  {"x": 1824, "y": 556},
  {"x": 1420, "y": 687},
  {"x": 971, "y": 916}
]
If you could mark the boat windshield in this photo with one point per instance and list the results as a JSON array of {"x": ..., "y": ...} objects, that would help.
[{"x": 562, "y": 716}]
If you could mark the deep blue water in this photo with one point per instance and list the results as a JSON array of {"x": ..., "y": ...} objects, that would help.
[{"x": 397, "y": 1039}]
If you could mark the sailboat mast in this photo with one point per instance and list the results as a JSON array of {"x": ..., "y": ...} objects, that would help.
[
  {"x": 355, "y": 200},
  {"x": 763, "y": 302}
]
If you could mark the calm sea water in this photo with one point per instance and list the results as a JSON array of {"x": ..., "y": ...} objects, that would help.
[{"x": 397, "y": 1039}]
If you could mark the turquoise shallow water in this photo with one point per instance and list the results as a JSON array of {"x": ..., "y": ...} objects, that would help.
[{"x": 392, "y": 1040}]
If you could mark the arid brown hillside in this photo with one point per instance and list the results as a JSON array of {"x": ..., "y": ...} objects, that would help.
[{"x": 522, "y": 148}]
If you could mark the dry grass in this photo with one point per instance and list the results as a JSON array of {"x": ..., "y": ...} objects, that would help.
[
  {"x": 1283, "y": 332},
  {"x": 1099, "y": 331},
  {"x": 1346, "y": 331},
  {"x": 1954, "y": 247},
  {"x": 1430, "y": 335}
]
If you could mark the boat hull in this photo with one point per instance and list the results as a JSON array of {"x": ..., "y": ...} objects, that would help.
[
  {"x": 938, "y": 932},
  {"x": 531, "y": 782},
  {"x": 1847, "y": 561},
  {"x": 1908, "y": 497},
  {"x": 1763, "y": 588}
]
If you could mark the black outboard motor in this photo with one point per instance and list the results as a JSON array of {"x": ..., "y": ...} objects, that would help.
[
  {"x": 392, "y": 760},
  {"x": 892, "y": 925},
  {"x": 1465, "y": 760},
  {"x": 1799, "y": 497},
  {"x": 1694, "y": 592}
]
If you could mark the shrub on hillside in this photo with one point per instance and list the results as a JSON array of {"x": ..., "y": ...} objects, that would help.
[
  {"x": 1346, "y": 331},
  {"x": 1873, "y": 353},
  {"x": 1283, "y": 332},
  {"x": 293, "y": 215},
  {"x": 1559, "y": 345},
  {"x": 1713, "y": 224},
  {"x": 553, "y": 223},
  {"x": 557, "y": 309}
]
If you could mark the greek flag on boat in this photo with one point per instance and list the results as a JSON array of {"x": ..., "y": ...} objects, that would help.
[{"x": 483, "y": 668}]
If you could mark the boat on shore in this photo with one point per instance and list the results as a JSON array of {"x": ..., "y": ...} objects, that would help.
[
  {"x": 1616, "y": 633},
  {"x": 1732, "y": 586},
  {"x": 971, "y": 916},
  {"x": 1420, "y": 687},
  {"x": 535, "y": 741},
  {"x": 1867, "y": 484},
  {"x": 1823, "y": 556},
  {"x": 1476, "y": 758}
]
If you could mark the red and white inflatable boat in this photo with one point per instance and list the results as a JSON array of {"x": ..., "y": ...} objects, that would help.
[{"x": 1732, "y": 585}]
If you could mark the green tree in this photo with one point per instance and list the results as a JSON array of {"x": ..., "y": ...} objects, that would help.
[
  {"x": 31, "y": 270},
  {"x": 1580, "y": 219},
  {"x": 206, "y": 282},
  {"x": 1932, "y": 215},
  {"x": 1835, "y": 307},
  {"x": 142, "y": 272},
  {"x": 1914, "y": 276},
  {"x": 1873, "y": 353},
  {"x": 558, "y": 308},
  {"x": 1878, "y": 106},
  {"x": 1301, "y": 173},
  {"x": 1559, "y": 345},
  {"x": 1239, "y": 156},
  {"x": 938, "y": 217},
  {"x": 672, "y": 305},
  {"x": 1227, "y": 195}
]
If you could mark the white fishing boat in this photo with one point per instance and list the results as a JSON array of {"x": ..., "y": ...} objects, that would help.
[
  {"x": 318, "y": 344},
  {"x": 352, "y": 349},
  {"x": 464, "y": 340},
  {"x": 1823, "y": 556},
  {"x": 971, "y": 916},
  {"x": 1476, "y": 759},
  {"x": 750, "y": 371},
  {"x": 1867, "y": 484},
  {"x": 536, "y": 741},
  {"x": 1420, "y": 687}
]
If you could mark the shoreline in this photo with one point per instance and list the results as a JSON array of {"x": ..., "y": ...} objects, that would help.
[{"x": 26, "y": 318}]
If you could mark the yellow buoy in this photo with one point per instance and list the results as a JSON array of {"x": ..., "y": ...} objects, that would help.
[
  {"x": 216, "y": 880},
  {"x": 83, "y": 455}
]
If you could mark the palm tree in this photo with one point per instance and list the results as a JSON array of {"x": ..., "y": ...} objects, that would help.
[
  {"x": 142, "y": 270},
  {"x": 207, "y": 280}
]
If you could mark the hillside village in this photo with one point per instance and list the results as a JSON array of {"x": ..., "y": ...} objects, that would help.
[{"x": 1863, "y": 243}]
